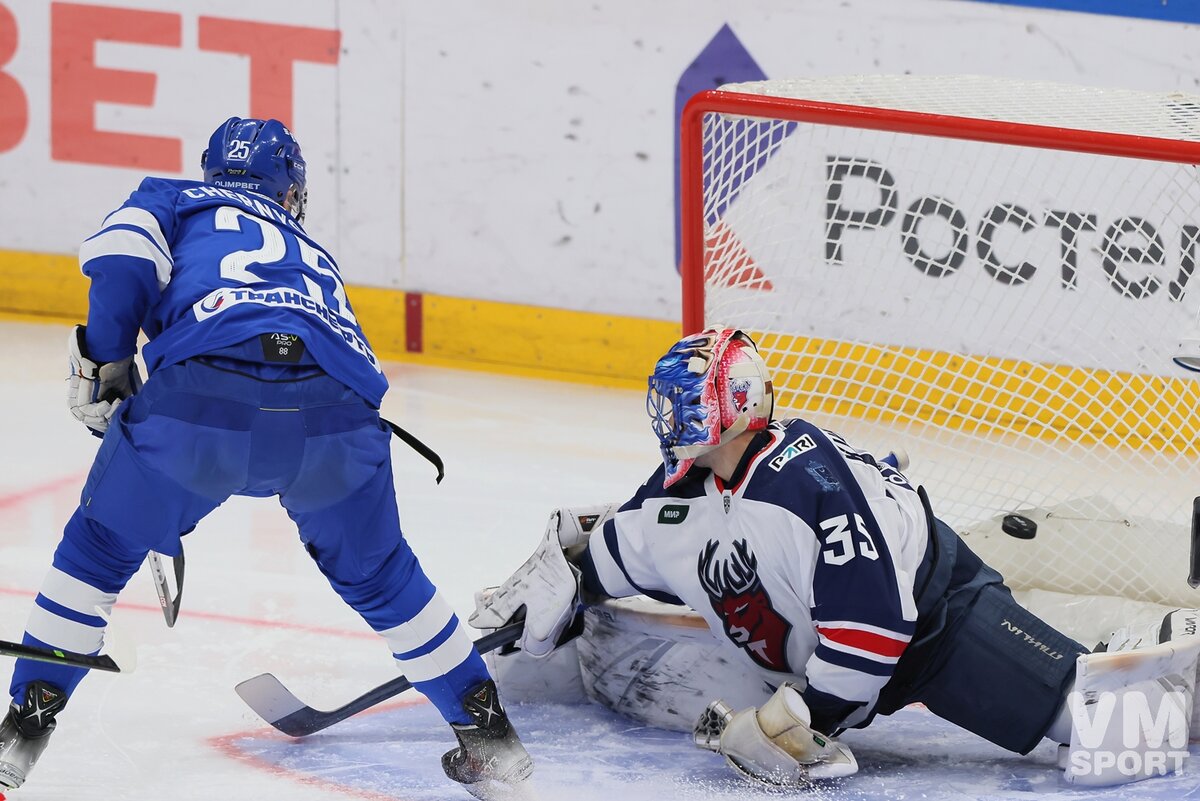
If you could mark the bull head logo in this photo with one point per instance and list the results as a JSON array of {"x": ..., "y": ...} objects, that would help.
[{"x": 737, "y": 596}]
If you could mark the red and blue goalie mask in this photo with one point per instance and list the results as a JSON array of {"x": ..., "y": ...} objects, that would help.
[{"x": 707, "y": 389}]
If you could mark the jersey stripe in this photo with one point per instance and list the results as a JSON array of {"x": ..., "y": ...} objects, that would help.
[
  {"x": 846, "y": 676},
  {"x": 68, "y": 613},
  {"x": 434, "y": 642},
  {"x": 127, "y": 242},
  {"x": 138, "y": 218},
  {"x": 66, "y": 590},
  {"x": 441, "y": 660},
  {"x": 869, "y": 652},
  {"x": 609, "y": 571},
  {"x": 878, "y": 643},
  {"x": 658, "y": 595},
  {"x": 58, "y": 632},
  {"x": 421, "y": 628}
]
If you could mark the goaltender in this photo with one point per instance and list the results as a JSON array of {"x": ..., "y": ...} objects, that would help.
[{"x": 825, "y": 567}]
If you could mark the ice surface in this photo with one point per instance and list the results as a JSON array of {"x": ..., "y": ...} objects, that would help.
[{"x": 585, "y": 753}]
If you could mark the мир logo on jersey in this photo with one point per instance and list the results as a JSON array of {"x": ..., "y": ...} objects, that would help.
[{"x": 747, "y": 614}]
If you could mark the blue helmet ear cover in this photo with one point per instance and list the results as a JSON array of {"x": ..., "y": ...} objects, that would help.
[{"x": 260, "y": 156}]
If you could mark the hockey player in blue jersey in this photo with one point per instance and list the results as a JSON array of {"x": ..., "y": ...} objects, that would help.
[
  {"x": 826, "y": 569},
  {"x": 260, "y": 383}
]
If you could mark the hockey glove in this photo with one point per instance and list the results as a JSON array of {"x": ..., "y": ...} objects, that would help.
[
  {"x": 546, "y": 587},
  {"x": 774, "y": 744},
  {"x": 96, "y": 389}
]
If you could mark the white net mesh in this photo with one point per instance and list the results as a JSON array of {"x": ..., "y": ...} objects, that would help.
[
  {"x": 1007, "y": 313},
  {"x": 1173, "y": 115}
]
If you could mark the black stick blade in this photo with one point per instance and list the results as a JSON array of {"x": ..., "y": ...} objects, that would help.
[
  {"x": 56, "y": 657},
  {"x": 277, "y": 705}
]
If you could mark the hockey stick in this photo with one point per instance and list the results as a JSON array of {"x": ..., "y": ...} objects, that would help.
[
  {"x": 276, "y": 704},
  {"x": 170, "y": 606},
  {"x": 1194, "y": 573},
  {"x": 121, "y": 656},
  {"x": 57, "y": 657}
]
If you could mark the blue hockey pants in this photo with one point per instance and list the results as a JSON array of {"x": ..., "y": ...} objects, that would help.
[{"x": 204, "y": 430}]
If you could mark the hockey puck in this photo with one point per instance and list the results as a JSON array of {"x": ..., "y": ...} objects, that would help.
[{"x": 1018, "y": 526}]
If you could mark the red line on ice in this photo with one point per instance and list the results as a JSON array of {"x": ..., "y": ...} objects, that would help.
[
  {"x": 227, "y": 745},
  {"x": 220, "y": 617},
  {"x": 19, "y": 497}
]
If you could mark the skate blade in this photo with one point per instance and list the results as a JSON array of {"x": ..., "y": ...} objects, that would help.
[{"x": 516, "y": 785}]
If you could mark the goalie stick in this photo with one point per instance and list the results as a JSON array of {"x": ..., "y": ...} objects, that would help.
[{"x": 276, "y": 704}]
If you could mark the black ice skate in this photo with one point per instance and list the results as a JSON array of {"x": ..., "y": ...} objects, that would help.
[
  {"x": 490, "y": 760},
  {"x": 26, "y": 730}
]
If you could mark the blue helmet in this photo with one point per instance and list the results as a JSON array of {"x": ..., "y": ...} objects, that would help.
[
  {"x": 259, "y": 156},
  {"x": 707, "y": 389}
]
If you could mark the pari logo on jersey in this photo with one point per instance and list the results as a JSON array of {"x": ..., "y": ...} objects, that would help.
[
  {"x": 802, "y": 444},
  {"x": 747, "y": 614}
]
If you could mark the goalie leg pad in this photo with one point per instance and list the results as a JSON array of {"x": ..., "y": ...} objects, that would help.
[
  {"x": 1131, "y": 713},
  {"x": 1174, "y": 625},
  {"x": 660, "y": 665},
  {"x": 521, "y": 678}
]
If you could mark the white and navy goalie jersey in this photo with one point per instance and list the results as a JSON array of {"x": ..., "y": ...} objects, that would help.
[
  {"x": 200, "y": 268},
  {"x": 806, "y": 561}
]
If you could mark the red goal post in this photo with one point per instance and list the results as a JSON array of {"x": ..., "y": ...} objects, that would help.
[{"x": 1026, "y": 360}]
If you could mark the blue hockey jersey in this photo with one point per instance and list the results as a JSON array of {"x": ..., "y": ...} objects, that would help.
[
  {"x": 200, "y": 268},
  {"x": 806, "y": 561}
]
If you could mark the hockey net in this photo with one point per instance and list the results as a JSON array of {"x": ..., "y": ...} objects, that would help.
[{"x": 993, "y": 275}]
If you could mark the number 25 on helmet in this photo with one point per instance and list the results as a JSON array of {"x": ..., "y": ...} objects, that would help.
[{"x": 259, "y": 156}]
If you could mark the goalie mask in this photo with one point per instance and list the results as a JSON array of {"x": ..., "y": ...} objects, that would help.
[
  {"x": 259, "y": 156},
  {"x": 706, "y": 390}
]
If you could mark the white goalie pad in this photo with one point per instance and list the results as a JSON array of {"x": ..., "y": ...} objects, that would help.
[
  {"x": 1133, "y": 713},
  {"x": 660, "y": 665},
  {"x": 552, "y": 679},
  {"x": 1155, "y": 569},
  {"x": 651, "y": 662},
  {"x": 520, "y": 678}
]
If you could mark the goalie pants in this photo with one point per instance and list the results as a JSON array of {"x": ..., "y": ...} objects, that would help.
[
  {"x": 208, "y": 428},
  {"x": 978, "y": 658}
]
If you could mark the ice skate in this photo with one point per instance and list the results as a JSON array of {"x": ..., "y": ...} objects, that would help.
[
  {"x": 26, "y": 730},
  {"x": 490, "y": 760}
]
